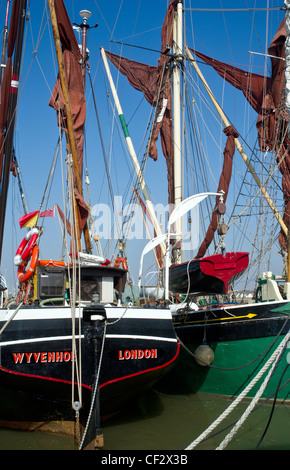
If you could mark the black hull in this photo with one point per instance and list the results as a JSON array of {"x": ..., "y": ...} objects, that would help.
[
  {"x": 208, "y": 275},
  {"x": 231, "y": 322},
  {"x": 201, "y": 284},
  {"x": 36, "y": 361}
]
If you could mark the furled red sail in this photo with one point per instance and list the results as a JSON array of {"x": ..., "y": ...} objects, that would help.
[
  {"x": 72, "y": 59},
  {"x": 266, "y": 96},
  {"x": 224, "y": 183},
  {"x": 65, "y": 221},
  {"x": 155, "y": 83}
]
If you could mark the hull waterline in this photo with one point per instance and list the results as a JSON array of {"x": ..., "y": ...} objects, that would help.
[{"x": 131, "y": 351}]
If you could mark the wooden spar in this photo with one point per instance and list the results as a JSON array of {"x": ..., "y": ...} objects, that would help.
[
  {"x": 64, "y": 89},
  {"x": 70, "y": 129},
  {"x": 177, "y": 157},
  {"x": 132, "y": 152},
  {"x": 239, "y": 146}
]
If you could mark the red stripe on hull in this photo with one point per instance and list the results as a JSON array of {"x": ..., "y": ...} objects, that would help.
[{"x": 87, "y": 386}]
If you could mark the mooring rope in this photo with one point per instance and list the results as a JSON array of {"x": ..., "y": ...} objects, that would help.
[
  {"x": 11, "y": 318},
  {"x": 258, "y": 395},
  {"x": 275, "y": 355}
]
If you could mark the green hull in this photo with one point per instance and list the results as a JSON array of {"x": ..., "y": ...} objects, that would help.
[
  {"x": 229, "y": 373},
  {"x": 242, "y": 339}
]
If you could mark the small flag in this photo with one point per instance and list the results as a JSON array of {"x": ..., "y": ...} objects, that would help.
[
  {"x": 48, "y": 213},
  {"x": 29, "y": 220}
]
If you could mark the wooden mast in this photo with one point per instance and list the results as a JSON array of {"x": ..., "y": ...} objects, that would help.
[
  {"x": 132, "y": 152},
  {"x": 70, "y": 129},
  {"x": 8, "y": 142},
  {"x": 4, "y": 42},
  {"x": 177, "y": 157}
]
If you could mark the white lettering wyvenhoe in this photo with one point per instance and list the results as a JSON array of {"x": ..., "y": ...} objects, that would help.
[{"x": 111, "y": 460}]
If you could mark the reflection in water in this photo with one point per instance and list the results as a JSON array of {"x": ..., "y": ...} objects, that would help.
[{"x": 161, "y": 422}]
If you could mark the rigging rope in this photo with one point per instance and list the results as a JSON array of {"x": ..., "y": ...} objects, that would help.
[
  {"x": 77, "y": 362},
  {"x": 11, "y": 318}
]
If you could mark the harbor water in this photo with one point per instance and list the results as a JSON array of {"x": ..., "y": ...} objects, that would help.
[{"x": 159, "y": 421}]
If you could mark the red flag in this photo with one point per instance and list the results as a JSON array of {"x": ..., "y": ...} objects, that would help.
[
  {"x": 29, "y": 220},
  {"x": 48, "y": 213}
]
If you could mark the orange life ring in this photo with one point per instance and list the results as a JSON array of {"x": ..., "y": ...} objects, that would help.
[
  {"x": 120, "y": 260},
  {"x": 50, "y": 262},
  {"x": 22, "y": 275},
  {"x": 26, "y": 246}
]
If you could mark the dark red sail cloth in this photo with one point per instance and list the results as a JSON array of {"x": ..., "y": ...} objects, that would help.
[
  {"x": 155, "y": 83},
  {"x": 64, "y": 220},
  {"x": 266, "y": 96},
  {"x": 6, "y": 88},
  {"x": 256, "y": 88},
  {"x": 224, "y": 184},
  {"x": 72, "y": 60},
  {"x": 263, "y": 93}
]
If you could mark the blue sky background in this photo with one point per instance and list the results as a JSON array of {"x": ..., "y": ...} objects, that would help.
[{"x": 228, "y": 36}]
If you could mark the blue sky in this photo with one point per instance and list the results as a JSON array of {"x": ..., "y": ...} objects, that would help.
[{"x": 228, "y": 36}]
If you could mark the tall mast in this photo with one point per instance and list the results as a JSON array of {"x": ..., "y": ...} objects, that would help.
[
  {"x": 4, "y": 42},
  {"x": 8, "y": 146},
  {"x": 85, "y": 14},
  {"x": 70, "y": 129},
  {"x": 177, "y": 59}
]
